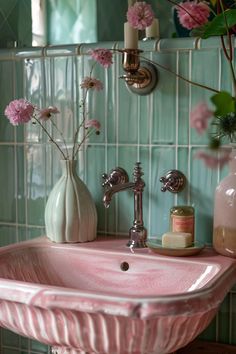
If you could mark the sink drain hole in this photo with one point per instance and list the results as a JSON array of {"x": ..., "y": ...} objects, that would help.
[{"x": 124, "y": 266}]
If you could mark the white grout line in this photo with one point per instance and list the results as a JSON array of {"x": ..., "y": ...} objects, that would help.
[
  {"x": 106, "y": 103},
  {"x": 117, "y": 135},
  {"x": 219, "y": 88},
  {"x": 44, "y": 104},
  {"x": 189, "y": 128},
  {"x": 15, "y": 224},
  {"x": 25, "y": 156},
  {"x": 117, "y": 113},
  {"x": 106, "y": 132},
  {"x": 12, "y": 143},
  {"x": 15, "y": 156},
  {"x": 150, "y": 112},
  {"x": 176, "y": 119}
]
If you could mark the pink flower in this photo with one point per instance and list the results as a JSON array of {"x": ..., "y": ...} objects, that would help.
[
  {"x": 140, "y": 15},
  {"x": 93, "y": 123},
  {"x": 214, "y": 159},
  {"x": 199, "y": 117},
  {"x": 46, "y": 113},
  {"x": 19, "y": 111},
  {"x": 192, "y": 14},
  {"x": 102, "y": 56},
  {"x": 91, "y": 83}
]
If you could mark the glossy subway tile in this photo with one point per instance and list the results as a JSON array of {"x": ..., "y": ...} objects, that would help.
[{"x": 152, "y": 129}]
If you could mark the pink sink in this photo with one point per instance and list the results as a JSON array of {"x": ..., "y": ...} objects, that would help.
[{"x": 99, "y": 297}]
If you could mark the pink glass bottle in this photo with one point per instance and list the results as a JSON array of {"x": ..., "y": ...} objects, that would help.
[{"x": 224, "y": 234}]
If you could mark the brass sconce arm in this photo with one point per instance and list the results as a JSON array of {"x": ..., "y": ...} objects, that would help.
[{"x": 141, "y": 76}]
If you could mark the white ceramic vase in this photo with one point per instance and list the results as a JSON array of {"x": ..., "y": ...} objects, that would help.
[
  {"x": 224, "y": 234},
  {"x": 70, "y": 213}
]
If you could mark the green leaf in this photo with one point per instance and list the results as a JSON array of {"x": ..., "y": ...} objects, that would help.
[
  {"x": 200, "y": 31},
  {"x": 224, "y": 103},
  {"x": 217, "y": 26}
]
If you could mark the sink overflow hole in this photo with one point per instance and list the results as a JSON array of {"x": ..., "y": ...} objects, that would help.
[{"x": 124, "y": 266}]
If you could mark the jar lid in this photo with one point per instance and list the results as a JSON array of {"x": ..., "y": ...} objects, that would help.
[{"x": 182, "y": 210}]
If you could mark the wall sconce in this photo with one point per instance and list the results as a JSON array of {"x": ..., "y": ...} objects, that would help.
[{"x": 141, "y": 76}]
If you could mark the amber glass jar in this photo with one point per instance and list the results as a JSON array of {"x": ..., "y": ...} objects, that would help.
[{"x": 182, "y": 219}]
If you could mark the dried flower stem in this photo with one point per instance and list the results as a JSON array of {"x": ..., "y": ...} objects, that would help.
[
  {"x": 86, "y": 136},
  {"x": 50, "y": 137},
  {"x": 76, "y": 146},
  {"x": 63, "y": 139}
]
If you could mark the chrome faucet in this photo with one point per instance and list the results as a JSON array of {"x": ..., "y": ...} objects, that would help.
[{"x": 117, "y": 181}]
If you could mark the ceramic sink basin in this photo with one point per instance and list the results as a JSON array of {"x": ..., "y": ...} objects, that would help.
[{"x": 99, "y": 297}]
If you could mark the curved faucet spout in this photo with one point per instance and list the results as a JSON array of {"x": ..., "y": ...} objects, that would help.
[
  {"x": 117, "y": 181},
  {"x": 110, "y": 191}
]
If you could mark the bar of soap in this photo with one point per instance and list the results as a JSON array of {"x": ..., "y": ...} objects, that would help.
[{"x": 177, "y": 240}]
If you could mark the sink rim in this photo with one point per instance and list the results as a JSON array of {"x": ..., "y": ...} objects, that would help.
[{"x": 50, "y": 296}]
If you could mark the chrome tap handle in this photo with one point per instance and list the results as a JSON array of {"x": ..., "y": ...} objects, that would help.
[
  {"x": 138, "y": 233},
  {"x": 137, "y": 174},
  {"x": 174, "y": 181},
  {"x": 117, "y": 176}
]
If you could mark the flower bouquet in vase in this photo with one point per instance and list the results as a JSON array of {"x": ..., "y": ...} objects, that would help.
[{"x": 70, "y": 212}]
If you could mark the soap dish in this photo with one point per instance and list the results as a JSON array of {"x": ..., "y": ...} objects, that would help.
[{"x": 156, "y": 246}]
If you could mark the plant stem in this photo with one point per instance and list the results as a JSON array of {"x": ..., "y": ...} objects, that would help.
[
  {"x": 76, "y": 146},
  {"x": 229, "y": 57},
  {"x": 75, "y": 149},
  {"x": 86, "y": 136},
  {"x": 180, "y": 76},
  {"x": 63, "y": 139},
  {"x": 50, "y": 137}
]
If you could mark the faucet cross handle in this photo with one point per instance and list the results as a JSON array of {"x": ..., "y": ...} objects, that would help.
[
  {"x": 174, "y": 181},
  {"x": 117, "y": 176}
]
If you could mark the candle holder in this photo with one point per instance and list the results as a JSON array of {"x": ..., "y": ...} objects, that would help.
[{"x": 141, "y": 76}]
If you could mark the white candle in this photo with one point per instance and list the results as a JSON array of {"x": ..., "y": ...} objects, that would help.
[
  {"x": 130, "y": 36},
  {"x": 153, "y": 30}
]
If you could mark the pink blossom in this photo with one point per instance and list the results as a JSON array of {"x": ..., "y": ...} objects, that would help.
[
  {"x": 192, "y": 14},
  {"x": 93, "y": 123},
  {"x": 140, "y": 15},
  {"x": 46, "y": 113},
  {"x": 19, "y": 111},
  {"x": 102, "y": 56},
  {"x": 199, "y": 117},
  {"x": 91, "y": 83},
  {"x": 214, "y": 159}
]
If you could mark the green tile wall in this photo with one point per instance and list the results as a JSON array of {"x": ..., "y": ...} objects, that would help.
[
  {"x": 15, "y": 23},
  {"x": 153, "y": 129}
]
